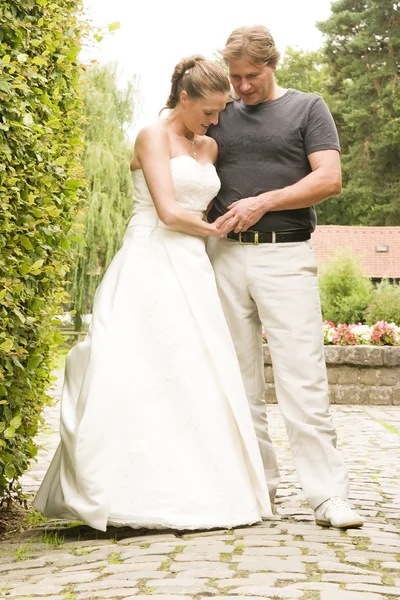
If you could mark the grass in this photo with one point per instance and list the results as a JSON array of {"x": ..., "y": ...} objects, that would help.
[
  {"x": 79, "y": 552},
  {"x": 34, "y": 519},
  {"x": 114, "y": 558},
  {"x": 22, "y": 552},
  {"x": 389, "y": 427},
  {"x": 361, "y": 543},
  {"x": 225, "y": 557},
  {"x": 310, "y": 595},
  {"x": 238, "y": 549},
  {"x": 72, "y": 524},
  {"x": 52, "y": 539},
  {"x": 341, "y": 555},
  {"x": 388, "y": 580},
  {"x": 144, "y": 588}
]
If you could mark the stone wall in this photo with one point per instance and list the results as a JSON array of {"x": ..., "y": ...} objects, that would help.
[{"x": 356, "y": 374}]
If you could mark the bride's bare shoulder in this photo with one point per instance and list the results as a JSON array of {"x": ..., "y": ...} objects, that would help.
[
  {"x": 154, "y": 133},
  {"x": 151, "y": 139}
]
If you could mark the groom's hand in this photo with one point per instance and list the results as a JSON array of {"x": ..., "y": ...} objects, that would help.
[{"x": 241, "y": 215}]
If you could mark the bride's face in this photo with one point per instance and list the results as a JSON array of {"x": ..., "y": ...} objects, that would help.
[{"x": 200, "y": 113}]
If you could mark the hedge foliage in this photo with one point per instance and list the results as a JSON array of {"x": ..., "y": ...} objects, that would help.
[
  {"x": 345, "y": 289},
  {"x": 40, "y": 189}
]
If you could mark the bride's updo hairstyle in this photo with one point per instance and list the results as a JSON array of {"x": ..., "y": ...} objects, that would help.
[{"x": 198, "y": 77}]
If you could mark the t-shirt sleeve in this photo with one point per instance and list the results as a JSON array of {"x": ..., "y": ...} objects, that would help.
[{"x": 320, "y": 131}]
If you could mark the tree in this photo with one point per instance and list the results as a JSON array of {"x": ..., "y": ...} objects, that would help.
[
  {"x": 362, "y": 52},
  {"x": 304, "y": 71},
  {"x": 108, "y": 111}
]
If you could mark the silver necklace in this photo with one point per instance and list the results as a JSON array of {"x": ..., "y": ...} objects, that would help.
[{"x": 184, "y": 137}]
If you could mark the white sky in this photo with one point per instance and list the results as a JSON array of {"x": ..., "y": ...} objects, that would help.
[{"x": 156, "y": 34}]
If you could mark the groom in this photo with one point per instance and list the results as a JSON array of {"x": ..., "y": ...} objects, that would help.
[{"x": 278, "y": 157}]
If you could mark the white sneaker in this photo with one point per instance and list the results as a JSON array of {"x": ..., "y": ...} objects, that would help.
[{"x": 336, "y": 512}]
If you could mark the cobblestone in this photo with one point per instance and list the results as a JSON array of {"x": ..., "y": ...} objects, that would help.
[{"x": 288, "y": 557}]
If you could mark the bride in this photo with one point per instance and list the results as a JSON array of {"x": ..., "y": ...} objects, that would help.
[{"x": 155, "y": 426}]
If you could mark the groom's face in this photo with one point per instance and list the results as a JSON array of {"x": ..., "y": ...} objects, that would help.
[{"x": 252, "y": 83}]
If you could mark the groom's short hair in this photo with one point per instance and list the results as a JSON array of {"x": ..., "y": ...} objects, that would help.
[{"x": 254, "y": 43}]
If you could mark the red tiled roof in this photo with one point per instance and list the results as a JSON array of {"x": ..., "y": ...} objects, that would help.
[{"x": 363, "y": 242}]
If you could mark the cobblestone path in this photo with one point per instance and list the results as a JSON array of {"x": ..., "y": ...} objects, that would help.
[{"x": 288, "y": 557}]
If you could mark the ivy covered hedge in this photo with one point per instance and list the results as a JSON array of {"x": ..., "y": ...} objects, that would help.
[{"x": 40, "y": 190}]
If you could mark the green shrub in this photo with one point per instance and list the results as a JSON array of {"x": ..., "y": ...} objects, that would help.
[
  {"x": 40, "y": 187},
  {"x": 345, "y": 289},
  {"x": 385, "y": 304}
]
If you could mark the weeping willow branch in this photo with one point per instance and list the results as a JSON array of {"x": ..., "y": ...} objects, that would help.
[{"x": 109, "y": 110}]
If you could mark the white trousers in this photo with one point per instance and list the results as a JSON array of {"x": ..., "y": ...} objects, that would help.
[{"x": 276, "y": 285}]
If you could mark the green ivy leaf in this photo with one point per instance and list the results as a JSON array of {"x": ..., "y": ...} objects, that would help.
[
  {"x": 7, "y": 345},
  {"x": 36, "y": 265},
  {"x": 27, "y": 120},
  {"x": 5, "y": 86},
  {"x": 19, "y": 315},
  {"x": 26, "y": 243},
  {"x": 9, "y": 433},
  {"x": 73, "y": 184},
  {"x": 42, "y": 109},
  {"x": 16, "y": 421},
  {"x": 9, "y": 471},
  {"x": 38, "y": 60},
  {"x": 24, "y": 268}
]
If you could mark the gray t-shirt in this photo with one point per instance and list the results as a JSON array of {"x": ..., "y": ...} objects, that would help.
[{"x": 265, "y": 147}]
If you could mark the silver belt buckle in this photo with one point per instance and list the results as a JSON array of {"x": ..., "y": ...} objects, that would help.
[
  {"x": 273, "y": 240},
  {"x": 253, "y": 243}
]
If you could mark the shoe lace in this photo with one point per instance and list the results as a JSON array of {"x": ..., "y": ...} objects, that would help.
[{"x": 339, "y": 503}]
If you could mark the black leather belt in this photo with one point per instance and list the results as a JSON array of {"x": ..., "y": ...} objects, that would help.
[{"x": 252, "y": 238}]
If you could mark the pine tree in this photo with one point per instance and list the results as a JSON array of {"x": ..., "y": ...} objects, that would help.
[
  {"x": 362, "y": 52},
  {"x": 109, "y": 111}
]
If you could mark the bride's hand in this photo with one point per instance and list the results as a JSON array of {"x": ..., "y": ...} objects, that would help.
[{"x": 214, "y": 231}]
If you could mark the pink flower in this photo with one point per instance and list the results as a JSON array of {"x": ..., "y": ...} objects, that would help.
[
  {"x": 330, "y": 323},
  {"x": 344, "y": 336},
  {"x": 383, "y": 333}
]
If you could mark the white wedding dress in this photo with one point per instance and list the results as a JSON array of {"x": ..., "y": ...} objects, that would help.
[{"x": 155, "y": 427}]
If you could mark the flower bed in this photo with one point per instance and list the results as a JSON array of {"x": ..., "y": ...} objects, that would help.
[
  {"x": 363, "y": 364},
  {"x": 380, "y": 334}
]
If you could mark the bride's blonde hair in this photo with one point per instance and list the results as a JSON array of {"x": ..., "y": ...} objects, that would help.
[{"x": 197, "y": 76}]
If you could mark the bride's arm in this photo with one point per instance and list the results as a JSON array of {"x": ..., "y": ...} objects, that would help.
[{"x": 152, "y": 150}]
